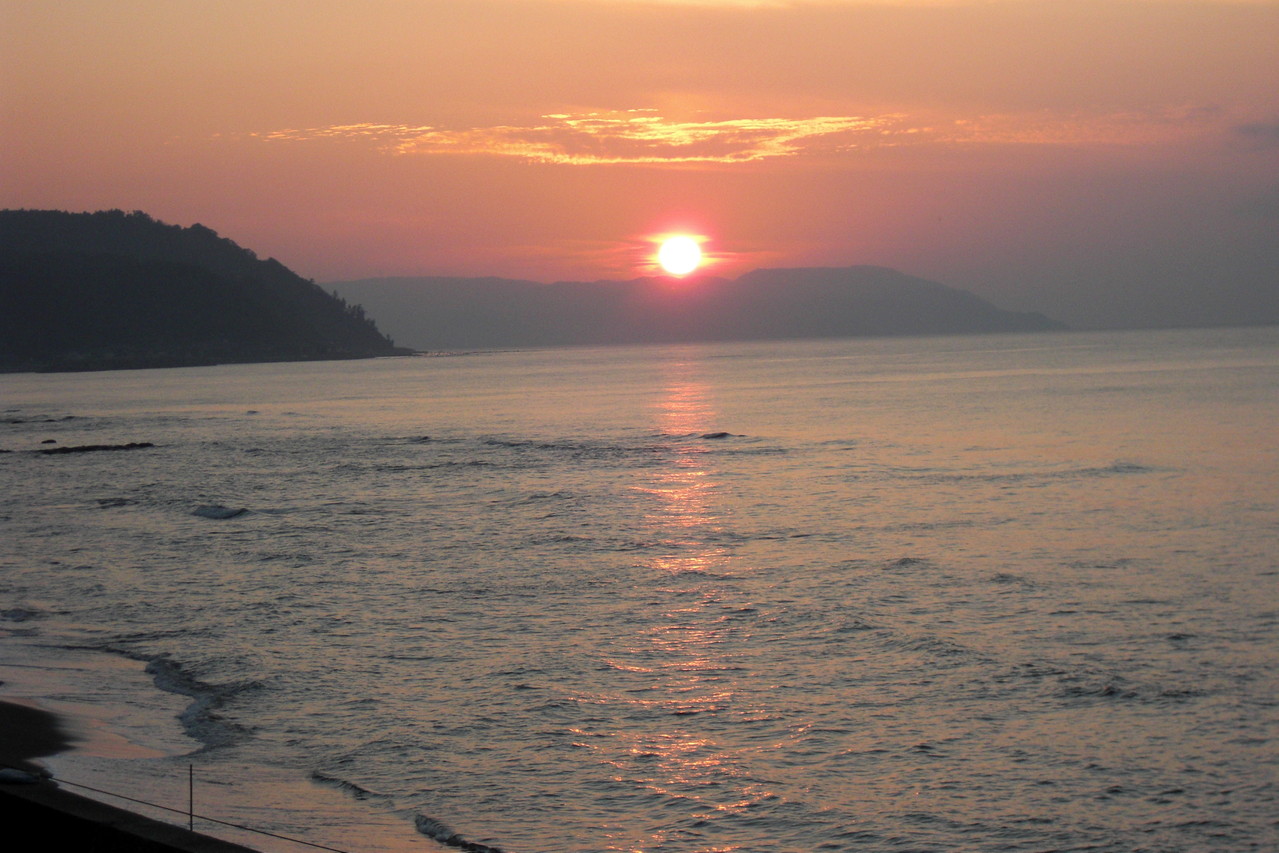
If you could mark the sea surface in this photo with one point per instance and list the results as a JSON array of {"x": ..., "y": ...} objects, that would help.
[{"x": 1004, "y": 593}]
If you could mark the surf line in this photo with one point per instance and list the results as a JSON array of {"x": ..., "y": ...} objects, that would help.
[{"x": 441, "y": 833}]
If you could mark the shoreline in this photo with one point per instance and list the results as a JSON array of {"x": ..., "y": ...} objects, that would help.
[
  {"x": 95, "y": 716},
  {"x": 54, "y": 814}
]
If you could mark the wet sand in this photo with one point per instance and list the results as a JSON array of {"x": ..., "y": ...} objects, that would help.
[{"x": 57, "y": 817}]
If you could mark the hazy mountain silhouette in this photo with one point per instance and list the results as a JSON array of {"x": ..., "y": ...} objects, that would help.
[
  {"x": 112, "y": 289},
  {"x": 461, "y": 313}
]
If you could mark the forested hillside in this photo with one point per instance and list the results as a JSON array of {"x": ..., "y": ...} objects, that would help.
[{"x": 88, "y": 291}]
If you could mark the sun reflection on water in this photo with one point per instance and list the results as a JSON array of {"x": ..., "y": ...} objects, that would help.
[
  {"x": 677, "y": 673},
  {"x": 683, "y": 517}
]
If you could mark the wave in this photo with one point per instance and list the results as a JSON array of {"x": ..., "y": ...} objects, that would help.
[
  {"x": 22, "y": 614},
  {"x": 200, "y": 719},
  {"x": 643, "y": 447},
  {"x": 432, "y": 828},
  {"x": 16, "y": 420},
  {"x": 1116, "y": 687},
  {"x": 1117, "y": 468},
  {"x": 355, "y": 791}
]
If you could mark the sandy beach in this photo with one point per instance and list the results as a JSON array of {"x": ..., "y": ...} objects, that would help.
[{"x": 59, "y": 817}]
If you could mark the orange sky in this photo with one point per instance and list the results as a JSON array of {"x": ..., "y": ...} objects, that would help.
[{"x": 1093, "y": 159}]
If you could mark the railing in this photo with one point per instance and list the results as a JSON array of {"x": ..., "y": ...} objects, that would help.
[{"x": 189, "y": 813}]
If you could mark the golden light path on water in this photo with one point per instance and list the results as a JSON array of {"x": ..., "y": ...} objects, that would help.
[{"x": 683, "y": 656}]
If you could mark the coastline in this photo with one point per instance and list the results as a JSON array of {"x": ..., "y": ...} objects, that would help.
[
  {"x": 98, "y": 717},
  {"x": 56, "y": 815}
]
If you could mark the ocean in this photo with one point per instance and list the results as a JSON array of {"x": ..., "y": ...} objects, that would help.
[{"x": 989, "y": 593}]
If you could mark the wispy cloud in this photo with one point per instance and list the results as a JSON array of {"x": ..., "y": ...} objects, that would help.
[
  {"x": 620, "y": 137},
  {"x": 380, "y": 133},
  {"x": 1077, "y": 129},
  {"x": 642, "y": 137}
]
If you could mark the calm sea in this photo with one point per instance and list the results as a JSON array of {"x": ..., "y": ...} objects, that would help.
[{"x": 988, "y": 593}]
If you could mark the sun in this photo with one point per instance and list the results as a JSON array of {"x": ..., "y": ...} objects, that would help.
[{"x": 679, "y": 255}]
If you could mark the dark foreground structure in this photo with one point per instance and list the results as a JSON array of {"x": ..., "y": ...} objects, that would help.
[{"x": 58, "y": 819}]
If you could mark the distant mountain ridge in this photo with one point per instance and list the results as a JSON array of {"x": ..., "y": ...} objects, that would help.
[
  {"x": 85, "y": 291},
  {"x": 445, "y": 313}
]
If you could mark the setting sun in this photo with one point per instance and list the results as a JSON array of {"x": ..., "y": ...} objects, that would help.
[{"x": 680, "y": 255}]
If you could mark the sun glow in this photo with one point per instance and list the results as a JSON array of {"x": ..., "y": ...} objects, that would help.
[{"x": 679, "y": 255}]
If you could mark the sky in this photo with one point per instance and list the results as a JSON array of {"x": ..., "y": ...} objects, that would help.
[{"x": 1107, "y": 162}]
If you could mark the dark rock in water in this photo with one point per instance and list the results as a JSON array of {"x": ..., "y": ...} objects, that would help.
[
  {"x": 217, "y": 511},
  {"x": 50, "y": 441},
  {"x": 89, "y": 448}
]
